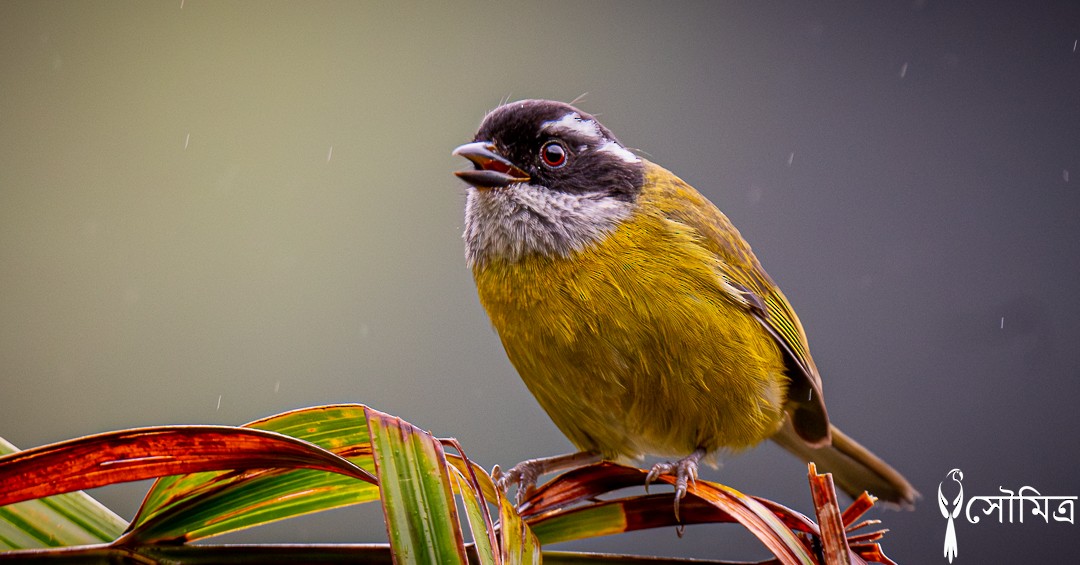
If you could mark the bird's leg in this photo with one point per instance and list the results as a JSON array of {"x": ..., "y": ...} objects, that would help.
[
  {"x": 524, "y": 474},
  {"x": 685, "y": 470}
]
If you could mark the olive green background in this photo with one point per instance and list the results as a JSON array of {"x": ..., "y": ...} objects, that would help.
[{"x": 211, "y": 212}]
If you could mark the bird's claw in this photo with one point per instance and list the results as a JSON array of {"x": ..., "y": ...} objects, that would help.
[
  {"x": 663, "y": 468},
  {"x": 523, "y": 476},
  {"x": 685, "y": 471},
  {"x": 526, "y": 473}
]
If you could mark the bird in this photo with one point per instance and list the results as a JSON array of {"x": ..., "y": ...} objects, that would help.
[{"x": 635, "y": 312}]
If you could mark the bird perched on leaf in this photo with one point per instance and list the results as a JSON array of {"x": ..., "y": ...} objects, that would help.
[{"x": 634, "y": 311}]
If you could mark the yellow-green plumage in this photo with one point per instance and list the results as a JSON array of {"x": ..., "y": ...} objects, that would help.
[
  {"x": 642, "y": 343},
  {"x": 634, "y": 310}
]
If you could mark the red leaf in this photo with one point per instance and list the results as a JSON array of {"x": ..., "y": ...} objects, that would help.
[{"x": 146, "y": 453}]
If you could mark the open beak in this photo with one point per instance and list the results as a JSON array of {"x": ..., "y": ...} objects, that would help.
[{"x": 490, "y": 168}]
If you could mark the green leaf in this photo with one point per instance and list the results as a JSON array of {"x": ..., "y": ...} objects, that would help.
[
  {"x": 519, "y": 543},
  {"x": 274, "y": 472},
  {"x": 421, "y": 516},
  {"x": 200, "y": 505},
  {"x": 516, "y": 541},
  {"x": 255, "y": 554},
  {"x": 468, "y": 481},
  {"x": 601, "y": 519},
  {"x": 63, "y": 520}
]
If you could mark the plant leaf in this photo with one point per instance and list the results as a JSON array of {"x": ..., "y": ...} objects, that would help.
[
  {"x": 754, "y": 516},
  {"x": 274, "y": 472},
  {"x": 144, "y": 453},
  {"x": 833, "y": 537},
  {"x": 255, "y": 554},
  {"x": 288, "y": 554},
  {"x": 548, "y": 508},
  {"x": 196, "y": 506},
  {"x": 519, "y": 543},
  {"x": 468, "y": 479},
  {"x": 418, "y": 504},
  {"x": 68, "y": 519}
]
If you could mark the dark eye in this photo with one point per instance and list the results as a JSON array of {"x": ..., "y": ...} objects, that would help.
[{"x": 553, "y": 154}]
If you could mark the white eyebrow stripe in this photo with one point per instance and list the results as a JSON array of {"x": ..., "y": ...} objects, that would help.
[
  {"x": 573, "y": 123},
  {"x": 619, "y": 151}
]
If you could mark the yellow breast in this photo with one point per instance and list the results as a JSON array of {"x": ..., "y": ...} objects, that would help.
[{"x": 633, "y": 345}]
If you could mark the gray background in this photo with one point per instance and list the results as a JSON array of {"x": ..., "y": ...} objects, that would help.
[{"x": 179, "y": 245}]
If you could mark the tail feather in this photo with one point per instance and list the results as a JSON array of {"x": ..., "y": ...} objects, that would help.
[{"x": 855, "y": 469}]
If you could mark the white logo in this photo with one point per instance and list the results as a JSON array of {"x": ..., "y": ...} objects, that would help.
[
  {"x": 958, "y": 503},
  {"x": 1040, "y": 506}
]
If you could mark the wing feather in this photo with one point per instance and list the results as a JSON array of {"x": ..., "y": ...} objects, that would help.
[{"x": 751, "y": 286}]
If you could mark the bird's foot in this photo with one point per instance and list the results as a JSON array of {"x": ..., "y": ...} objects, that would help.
[
  {"x": 685, "y": 471},
  {"x": 525, "y": 474}
]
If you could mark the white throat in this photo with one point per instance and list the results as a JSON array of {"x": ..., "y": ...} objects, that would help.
[{"x": 512, "y": 222}]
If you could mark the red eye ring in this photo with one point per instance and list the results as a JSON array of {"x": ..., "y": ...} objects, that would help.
[{"x": 553, "y": 154}]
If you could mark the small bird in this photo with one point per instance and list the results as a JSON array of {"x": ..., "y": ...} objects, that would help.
[{"x": 634, "y": 311}]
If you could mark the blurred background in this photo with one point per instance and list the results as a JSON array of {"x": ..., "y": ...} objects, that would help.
[{"x": 214, "y": 212}]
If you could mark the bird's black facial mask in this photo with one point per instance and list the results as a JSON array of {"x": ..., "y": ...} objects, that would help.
[{"x": 563, "y": 149}]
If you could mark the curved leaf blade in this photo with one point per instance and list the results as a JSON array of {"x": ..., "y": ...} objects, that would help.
[
  {"x": 145, "y": 453},
  {"x": 628, "y": 514},
  {"x": 553, "y": 513},
  {"x": 201, "y": 505},
  {"x": 244, "y": 501},
  {"x": 473, "y": 505},
  {"x": 233, "y": 554},
  {"x": 469, "y": 482},
  {"x": 62, "y": 520},
  {"x": 516, "y": 542},
  {"x": 519, "y": 543},
  {"x": 754, "y": 516},
  {"x": 418, "y": 504},
  {"x": 57, "y": 521}
]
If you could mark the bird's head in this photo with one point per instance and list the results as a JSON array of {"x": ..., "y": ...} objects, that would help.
[{"x": 547, "y": 179}]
